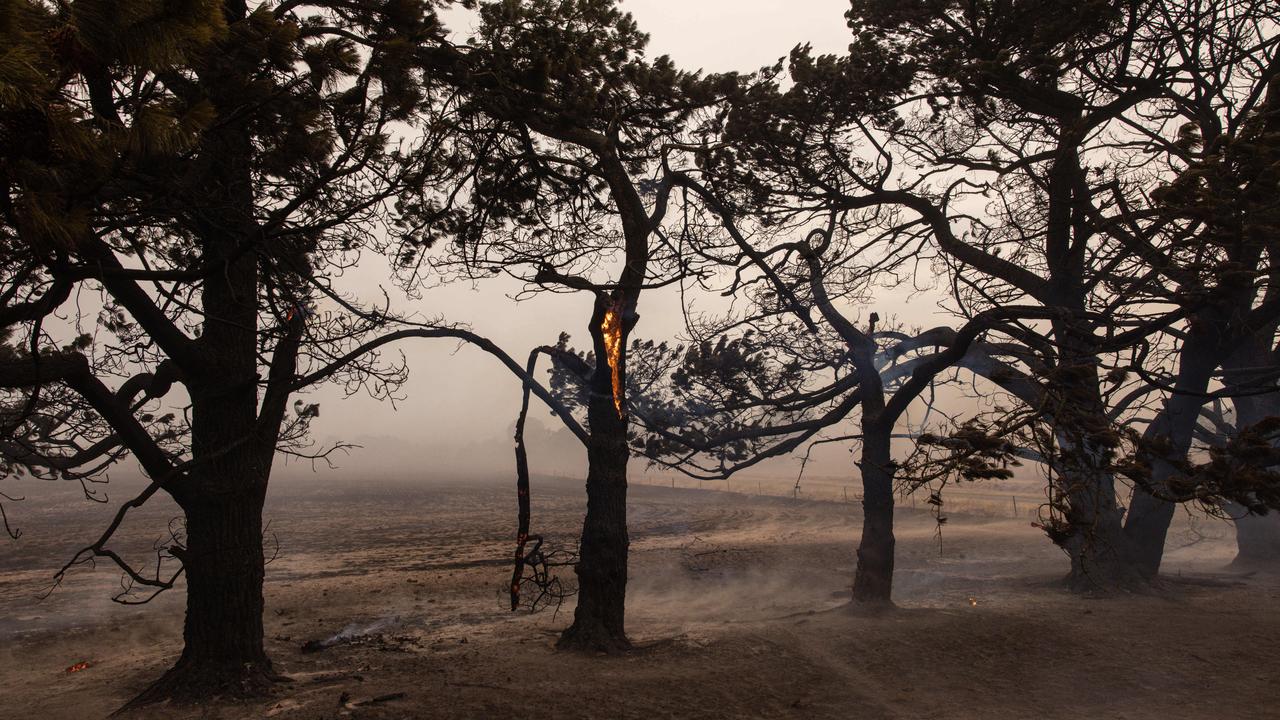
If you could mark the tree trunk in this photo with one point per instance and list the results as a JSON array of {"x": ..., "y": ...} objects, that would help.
[
  {"x": 231, "y": 454},
  {"x": 1093, "y": 536},
  {"x": 1257, "y": 539},
  {"x": 223, "y": 561},
  {"x": 873, "y": 578},
  {"x": 1257, "y": 536},
  {"x": 1147, "y": 525},
  {"x": 598, "y": 620}
]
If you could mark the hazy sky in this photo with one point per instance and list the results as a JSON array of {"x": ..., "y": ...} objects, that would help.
[
  {"x": 722, "y": 35},
  {"x": 457, "y": 396}
]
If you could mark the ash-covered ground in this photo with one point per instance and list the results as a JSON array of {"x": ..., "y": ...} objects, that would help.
[{"x": 736, "y": 604}]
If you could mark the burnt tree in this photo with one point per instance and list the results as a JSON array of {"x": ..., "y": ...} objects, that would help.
[
  {"x": 567, "y": 132},
  {"x": 197, "y": 169}
]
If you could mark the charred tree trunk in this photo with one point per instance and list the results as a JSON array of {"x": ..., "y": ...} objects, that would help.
[
  {"x": 1094, "y": 538},
  {"x": 873, "y": 578},
  {"x": 222, "y": 556},
  {"x": 599, "y": 619},
  {"x": 224, "y": 568}
]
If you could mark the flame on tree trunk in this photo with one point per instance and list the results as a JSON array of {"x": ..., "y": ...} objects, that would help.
[{"x": 611, "y": 334}]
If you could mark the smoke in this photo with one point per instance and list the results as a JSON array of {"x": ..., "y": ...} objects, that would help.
[{"x": 354, "y": 632}]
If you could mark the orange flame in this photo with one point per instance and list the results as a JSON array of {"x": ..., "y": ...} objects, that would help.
[
  {"x": 83, "y": 665},
  {"x": 611, "y": 329}
]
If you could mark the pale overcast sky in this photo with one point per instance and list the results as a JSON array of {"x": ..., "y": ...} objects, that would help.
[
  {"x": 722, "y": 35},
  {"x": 455, "y": 400}
]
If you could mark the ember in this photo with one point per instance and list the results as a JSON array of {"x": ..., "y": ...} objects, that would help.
[
  {"x": 611, "y": 329},
  {"x": 82, "y": 665}
]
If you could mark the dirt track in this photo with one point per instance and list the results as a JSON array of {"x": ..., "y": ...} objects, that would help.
[{"x": 736, "y": 603}]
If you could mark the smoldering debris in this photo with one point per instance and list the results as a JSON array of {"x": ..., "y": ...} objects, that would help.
[{"x": 354, "y": 633}]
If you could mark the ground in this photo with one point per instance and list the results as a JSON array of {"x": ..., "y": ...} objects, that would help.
[{"x": 737, "y": 605}]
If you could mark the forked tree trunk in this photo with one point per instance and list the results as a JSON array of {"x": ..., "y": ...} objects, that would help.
[
  {"x": 873, "y": 577},
  {"x": 1094, "y": 537},
  {"x": 598, "y": 621}
]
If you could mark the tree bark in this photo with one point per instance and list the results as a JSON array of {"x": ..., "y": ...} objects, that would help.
[
  {"x": 599, "y": 618},
  {"x": 1094, "y": 537},
  {"x": 224, "y": 566},
  {"x": 873, "y": 577},
  {"x": 222, "y": 502},
  {"x": 598, "y": 621},
  {"x": 232, "y": 448}
]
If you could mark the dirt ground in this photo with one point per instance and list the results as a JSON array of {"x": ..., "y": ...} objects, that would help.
[{"x": 736, "y": 604}]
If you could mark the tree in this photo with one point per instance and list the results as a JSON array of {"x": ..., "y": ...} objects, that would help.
[
  {"x": 1208, "y": 238},
  {"x": 1249, "y": 422},
  {"x": 1000, "y": 134},
  {"x": 732, "y": 403},
  {"x": 205, "y": 169},
  {"x": 1067, "y": 115},
  {"x": 568, "y": 131}
]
